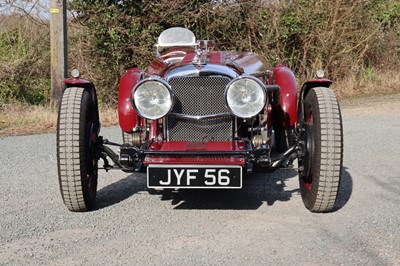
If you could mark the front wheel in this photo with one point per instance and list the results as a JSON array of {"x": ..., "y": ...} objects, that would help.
[
  {"x": 321, "y": 164},
  {"x": 77, "y": 135}
]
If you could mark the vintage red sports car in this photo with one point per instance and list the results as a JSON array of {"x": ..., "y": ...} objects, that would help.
[{"x": 199, "y": 118}]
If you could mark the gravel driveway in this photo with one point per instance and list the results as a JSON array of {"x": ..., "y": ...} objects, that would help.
[{"x": 265, "y": 223}]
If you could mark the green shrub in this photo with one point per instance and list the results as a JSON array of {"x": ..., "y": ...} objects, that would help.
[
  {"x": 345, "y": 38},
  {"x": 24, "y": 61}
]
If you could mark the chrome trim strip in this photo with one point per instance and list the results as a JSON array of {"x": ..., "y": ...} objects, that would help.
[
  {"x": 202, "y": 70},
  {"x": 200, "y": 117}
]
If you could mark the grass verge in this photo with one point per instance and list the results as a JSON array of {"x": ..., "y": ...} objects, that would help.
[
  {"x": 22, "y": 119},
  {"x": 372, "y": 83}
]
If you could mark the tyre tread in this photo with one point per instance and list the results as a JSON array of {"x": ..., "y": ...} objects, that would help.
[
  {"x": 70, "y": 145},
  {"x": 329, "y": 154}
]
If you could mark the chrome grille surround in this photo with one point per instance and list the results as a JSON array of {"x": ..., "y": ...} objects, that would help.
[{"x": 199, "y": 96}]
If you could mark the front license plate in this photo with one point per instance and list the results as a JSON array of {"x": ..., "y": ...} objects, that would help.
[{"x": 196, "y": 176}]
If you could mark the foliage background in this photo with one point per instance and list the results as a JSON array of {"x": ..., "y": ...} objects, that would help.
[{"x": 355, "y": 42}]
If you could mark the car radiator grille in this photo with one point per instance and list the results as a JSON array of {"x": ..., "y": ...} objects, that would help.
[{"x": 199, "y": 96}]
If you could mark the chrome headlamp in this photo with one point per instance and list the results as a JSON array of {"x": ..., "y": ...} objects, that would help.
[
  {"x": 152, "y": 98},
  {"x": 245, "y": 96}
]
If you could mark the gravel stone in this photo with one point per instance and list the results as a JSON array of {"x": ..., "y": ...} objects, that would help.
[{"x": 265, "y": 223}]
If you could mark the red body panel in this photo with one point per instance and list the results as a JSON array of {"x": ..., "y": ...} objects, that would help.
[
  {"x": 127, "y": 116},
  {"x": 188, "y": 58},
  {"x": 215, "y": 58},
  {"x": 156, "y": 67},
  {"x": 287, "y": 115},
  {"x": 198, "y": 146},
  {"x": 178, "y": 146},
  {"x": 169, "y": 59},
  {"x": 76, "y": 81},
  {"x": 242, "y": 63}
]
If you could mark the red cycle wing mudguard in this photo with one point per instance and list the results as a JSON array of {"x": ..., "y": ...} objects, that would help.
[
  {"x": 286, "y": 116},
  {"x": 127, "y": 116}
]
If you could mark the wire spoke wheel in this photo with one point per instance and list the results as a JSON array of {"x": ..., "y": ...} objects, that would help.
[
  {"x": 77, "y": 135},
  {"x": 322, "y": 158}
]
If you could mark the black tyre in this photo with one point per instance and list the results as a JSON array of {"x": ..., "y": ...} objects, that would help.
[
  {"x": 321, "y": 164},
  {"x": 77, "y": 134}
]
